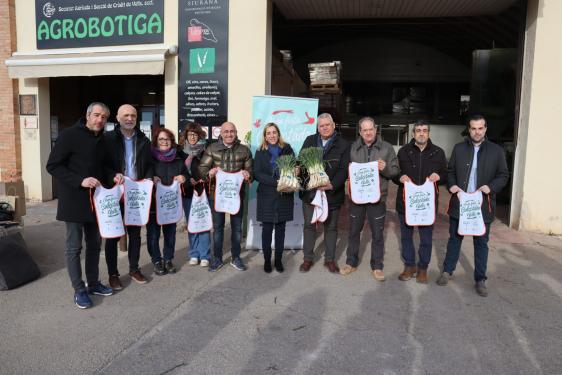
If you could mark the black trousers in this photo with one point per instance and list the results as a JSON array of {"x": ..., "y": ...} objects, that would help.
[
  {"x": 266, "y": 234},
  {"x": 133, "y": 251},
  {"x": 375, "y": 213}
]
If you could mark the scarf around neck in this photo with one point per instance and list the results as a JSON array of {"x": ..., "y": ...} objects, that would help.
[
  {"x": 165, "y": 156},
  {"x": 274, "y": 152}
]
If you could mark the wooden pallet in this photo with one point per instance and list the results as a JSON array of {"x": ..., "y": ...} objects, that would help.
[{"x": 332, "y": 88}]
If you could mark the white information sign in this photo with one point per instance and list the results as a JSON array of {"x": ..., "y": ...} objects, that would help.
[
  {"x": 364, "y": 182},
  {"x": 227, "y": 192},
  {"x": 169, "y": 208},
  {"x": 419, "y": 203},
  {"x": 108, "y": 211},
  {"x": 471, "y": 222},
  {"x": 138, "y": 196}
]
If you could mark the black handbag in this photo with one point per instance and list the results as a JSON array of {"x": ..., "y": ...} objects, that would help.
[
  {"x": 7, "y": 212},
  {"x": 16, "y": 266}
]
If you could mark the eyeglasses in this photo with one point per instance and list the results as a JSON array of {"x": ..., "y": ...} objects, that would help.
[
  {"x": 192, "y": 135},
  {"x": 164, "y": 140}
]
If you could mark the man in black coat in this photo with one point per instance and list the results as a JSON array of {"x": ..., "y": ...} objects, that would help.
[
  {"x": 419, "y": 160},
  {"x": 475, "y": 164},
  {"x": 336, "y": 158},
  {"x": 129, "y": 151},
  {"x": 77, "y": 163}
]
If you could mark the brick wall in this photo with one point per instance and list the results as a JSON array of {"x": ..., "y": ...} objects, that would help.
[{"x": 10, "y": 145}]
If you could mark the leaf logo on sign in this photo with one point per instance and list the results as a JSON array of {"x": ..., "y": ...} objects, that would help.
[{"x": 202, "y": 60}]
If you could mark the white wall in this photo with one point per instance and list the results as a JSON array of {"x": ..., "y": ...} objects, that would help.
[
  {"x": 537, "y": 179},
  {"x": 249, "y": 58}
]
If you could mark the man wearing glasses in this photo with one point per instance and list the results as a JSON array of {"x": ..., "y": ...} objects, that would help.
[
  {"x": 229, "y": 155},
  {"x": 419, "y": 160},
  {"x": 130, "y": 155}
]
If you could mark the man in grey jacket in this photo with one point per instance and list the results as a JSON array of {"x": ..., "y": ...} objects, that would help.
[{"x": 368, "y": 147}]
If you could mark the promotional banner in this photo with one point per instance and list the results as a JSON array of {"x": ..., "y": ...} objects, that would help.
[
  {"x": 227, "y": 192},
  {"x": 169, "y": 208},
  {"x": 138, "y": 197},
  {"x": 94, "y": 23},
  {"x": 364, "y": 182},
  {"x": 200, "y": 215},
  {"x": 108, "y": 211},
  {"x": 419, "y": 203},
  {"x": 203, "y": 64},
  {"x": 471, "y": 222},
  {"x": 296, "y": 118}
]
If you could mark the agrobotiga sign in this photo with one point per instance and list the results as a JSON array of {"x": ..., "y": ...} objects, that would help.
[{"x": 92, "y": 23}]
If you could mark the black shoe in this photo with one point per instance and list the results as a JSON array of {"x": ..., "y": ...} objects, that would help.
[
  {"x": 481, "y": 289},
  {"x": 267, "y": 266},
  {"x": 279, "y": 265},
  {"x": 170, "y": 267},
  {"x": 159, "y": 269}
]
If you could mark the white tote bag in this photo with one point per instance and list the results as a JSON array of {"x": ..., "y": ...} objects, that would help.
[
  {"x": 138, "y": 196},
  {"x": 108, "y": 211},
  {"x": 419, "y": 203},
  {"x": 169, "y": 208},
  {"x": 227, "y": 192},
  {"x": 200, "y": 216},
  {"x": 471, "y": 222},
  {"x": 364, "y": 182},
  {"x": 320, "y": 203}
]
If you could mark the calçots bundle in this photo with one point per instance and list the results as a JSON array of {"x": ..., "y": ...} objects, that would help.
[
  {"x": 311, "y": 159},
  {"x": 288, "y": 182}
]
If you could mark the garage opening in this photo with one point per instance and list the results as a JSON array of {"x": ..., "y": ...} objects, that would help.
[
  {"x": 70, "y": 96},
  {"x": 400, "y": 61}
]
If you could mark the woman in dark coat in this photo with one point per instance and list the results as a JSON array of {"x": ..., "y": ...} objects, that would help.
[
  {"x": 274, "y": 208},
  {"x": 168, "y": 166}
]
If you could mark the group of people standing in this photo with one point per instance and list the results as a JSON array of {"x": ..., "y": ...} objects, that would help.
[{"x": 84, "y": 158}]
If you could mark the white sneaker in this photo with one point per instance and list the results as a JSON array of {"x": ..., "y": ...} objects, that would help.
[
  {"x": 193, "y": 261},
  {"x": 204, "y": 263}
]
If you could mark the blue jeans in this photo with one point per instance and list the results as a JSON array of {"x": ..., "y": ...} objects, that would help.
[
  {"x": 218, "y": 231},
  {"x": 199, "y": 243},
  {"x": 454, "y": 250},
  {"x": 74, "y": 234},
  {"x": 408, "y": 251},
  {"x": 153, "y": 239}
]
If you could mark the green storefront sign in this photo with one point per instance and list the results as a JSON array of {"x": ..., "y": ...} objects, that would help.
[{"x": 100, "y": 23}]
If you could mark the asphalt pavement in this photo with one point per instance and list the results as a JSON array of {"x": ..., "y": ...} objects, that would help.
[{"x": 232, "y": 322}]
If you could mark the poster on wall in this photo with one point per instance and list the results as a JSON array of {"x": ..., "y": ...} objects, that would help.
[
  {"x": 203, "y": 63},
  {"x": 94, "y": 23},
  {"x": 296, "y": 118}
]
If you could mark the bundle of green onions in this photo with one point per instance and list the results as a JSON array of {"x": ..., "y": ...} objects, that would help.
[
  {"x": 288, "y": 182},
  {"x": 311, "y": 159}
]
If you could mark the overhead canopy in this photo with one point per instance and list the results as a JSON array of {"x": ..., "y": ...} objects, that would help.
[
  {"x": 366, "y": 9},
  {"x": 39, "y": 65}
]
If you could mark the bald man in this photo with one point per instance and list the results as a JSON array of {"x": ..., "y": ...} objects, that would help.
[
  {"x": 229, "y": 155},
  {"x": 129, "y": 152}
]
